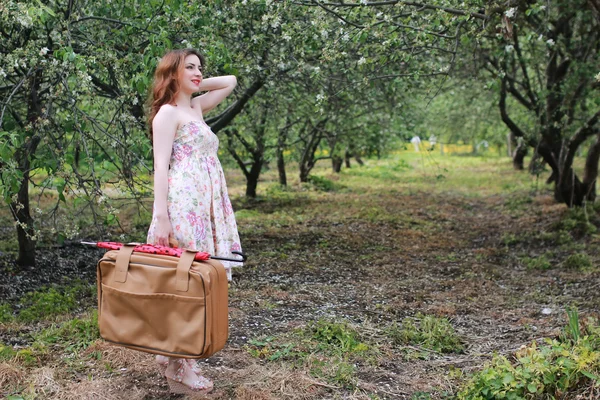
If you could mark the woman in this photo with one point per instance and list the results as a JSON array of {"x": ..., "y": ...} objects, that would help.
[{"x": 191, "y": 204}]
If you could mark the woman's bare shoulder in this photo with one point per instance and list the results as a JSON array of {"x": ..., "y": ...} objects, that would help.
[
  {"x": 167, "y": 110},
  {"x": 167, "y": 115}
]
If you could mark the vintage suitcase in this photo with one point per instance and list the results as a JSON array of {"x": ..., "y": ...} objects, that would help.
[{"x": 162, "y": 304}]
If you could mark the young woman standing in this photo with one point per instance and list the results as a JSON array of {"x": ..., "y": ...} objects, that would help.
[{"x": 191, "y": 204}]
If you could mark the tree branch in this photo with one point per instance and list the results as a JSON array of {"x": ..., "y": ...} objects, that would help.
[{"x": 228, "y": 115}]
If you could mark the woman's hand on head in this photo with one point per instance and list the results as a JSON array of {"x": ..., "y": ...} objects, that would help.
[{"x": 218, "y": 88}]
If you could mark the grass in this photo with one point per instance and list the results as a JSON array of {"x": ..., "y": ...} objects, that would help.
[
  {"x": 568, "y": 367},
  {"x": 397, "y": 279},
  {"x": 47, "y": 303},
  {"x": 428, "y": 332}
]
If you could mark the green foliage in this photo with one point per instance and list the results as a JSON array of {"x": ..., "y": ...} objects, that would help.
[
  {"x": 266, "y": 348},
  {"x": 375, "y": 172},
  {"x": 427, "y": 331},
  {"x": 323, "y": 184},
  {"x": 541, "y": 262},
  {"x": 6, "y": 352},
  {"x": 336, "y": 372},
  {"x": 337, "y": 337},
  {"x": 518, "y": 202},
  {"x": 52, "y": 301},
  {"x": 6, "y": 313},
  {"x": 510, "y": 239},
  {"x": 73, "y": 335},
  {"x": 552, "y": 370},
  {"x": 578, "y": 261},
  {"x": 577, "y": 222}
]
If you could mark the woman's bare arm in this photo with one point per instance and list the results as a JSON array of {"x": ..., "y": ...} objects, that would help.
[
  {"x": 164, "y": 127},
  {"x": 218, "y": 89}
]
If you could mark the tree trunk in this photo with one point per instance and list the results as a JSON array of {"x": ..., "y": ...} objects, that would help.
[
  {"x": 536, "y": 164},
  {"x": 304, "y": 171},
  {"x": 280, "y": 159},
  {"x": 336, "y": 164},
  {"x": 519, "y": 156},
  {"x": 22, "y": 216},
  {"x": 347, "y": 156},
  {"x": 252, "y": 178},
  {"x": 281, "y": 168},
  {"x": 590, "y": 175},
  {"x": 308, "y": 159},
  {"x": 20, "y": 208}
]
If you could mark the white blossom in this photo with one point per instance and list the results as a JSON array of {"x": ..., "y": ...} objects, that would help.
[
  {"x": 362, "y": 61},
  {"x": 509, "y": 48},
  {"x": 134, "y": 101},
  {"x": 276, "y": 22},
  {"x": 550, "y": 42},
  {"x": 287, "y": 37},
  {"x": 320, "y": 97},
  {"x": 598, "y": 77},
  {"x": 364, "y": 2},
  {"x": 44, "y": 51},
  {"x": 2, "y": 73},
  {"x": 510, "y": 12}
]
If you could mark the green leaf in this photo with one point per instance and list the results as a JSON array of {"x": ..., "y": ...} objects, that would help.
[
  {"x": 532, "y": 388},
  {"x": 508, "y": 378},
  {"x": 46, "y": 8},
  {"x": 591, "y": 376}
]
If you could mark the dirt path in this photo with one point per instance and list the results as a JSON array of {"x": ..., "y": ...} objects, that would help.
[{"x": 369, "y": 262}]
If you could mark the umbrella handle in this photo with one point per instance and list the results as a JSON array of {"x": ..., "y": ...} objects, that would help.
[{"x": 239, "y": 253}]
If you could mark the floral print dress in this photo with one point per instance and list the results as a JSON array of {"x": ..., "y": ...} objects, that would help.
[{"x": 198, "y": 204}]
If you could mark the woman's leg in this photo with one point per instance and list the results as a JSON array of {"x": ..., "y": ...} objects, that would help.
[{"x": 182, "y": 379}]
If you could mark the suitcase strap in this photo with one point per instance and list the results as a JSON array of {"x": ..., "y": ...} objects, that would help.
[
  {"x": 183, "y": 266},
  {"x": 183, "y": 270},
  {"x": 122, "y": 262}
]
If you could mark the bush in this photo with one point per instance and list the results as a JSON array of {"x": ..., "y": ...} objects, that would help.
[{"x": 548, "y": 371}]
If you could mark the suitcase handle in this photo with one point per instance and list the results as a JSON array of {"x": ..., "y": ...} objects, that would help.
[{"x": 183, "y": 266}]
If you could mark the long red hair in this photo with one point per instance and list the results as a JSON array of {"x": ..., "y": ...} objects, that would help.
[{"x": 166, "y": 80}]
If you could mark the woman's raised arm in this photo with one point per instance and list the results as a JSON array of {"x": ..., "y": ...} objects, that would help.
[{"x": 218, "y": 89}]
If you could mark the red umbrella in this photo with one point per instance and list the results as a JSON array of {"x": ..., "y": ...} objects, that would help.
[{"x": 163, "y": 250}]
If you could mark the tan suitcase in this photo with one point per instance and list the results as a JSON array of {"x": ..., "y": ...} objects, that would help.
[{"x": 162, "y": 304}]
